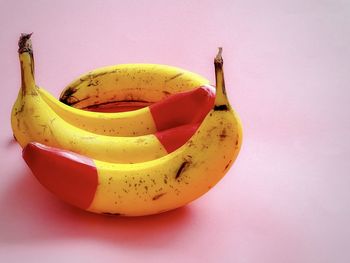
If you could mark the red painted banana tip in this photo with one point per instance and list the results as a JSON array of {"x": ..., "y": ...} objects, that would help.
[{"x": 71, "y": 177}]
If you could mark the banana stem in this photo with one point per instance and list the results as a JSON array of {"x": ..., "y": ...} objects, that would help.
[
  {"x": 26, "y": 58},
  {"x": 221, "y": 98}
]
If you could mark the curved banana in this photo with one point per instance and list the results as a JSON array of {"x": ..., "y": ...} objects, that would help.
[
  {"x": 165, "y": 114},
  {"x": 33, "y": 119},
  {"x": 150, "y": 187},
  {"x": 143, "y": 83}
]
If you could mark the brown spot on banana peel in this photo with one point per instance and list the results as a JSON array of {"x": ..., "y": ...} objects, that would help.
[
  {"x": 93, "y": 83},
  {"x": 223, "y": 134},
  {"x": 221, "y": 108},
  {"x": 71, "y": 103},
  {"x": 182, "y": 168},
  {"x": 190, "y": 142},
  {"x": 74, "y": 87},
  {"x": 34, "y": 92},
  {"x": 20, "y": 109},
  {"x": 89, "y": 77},
  {"x": 156, "y": 197},
  {"x": 227, "y": 165},
  {"x": 67, "y": 95},
  {"x": 175, "y": 76}
]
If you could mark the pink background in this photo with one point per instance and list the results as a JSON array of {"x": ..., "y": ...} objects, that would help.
[{"x": 286, "y": 199}]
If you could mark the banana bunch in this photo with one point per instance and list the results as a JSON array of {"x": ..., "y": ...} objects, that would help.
[
  {"x": 137, "y": 162},
  {"x": 118, "y": 137}
]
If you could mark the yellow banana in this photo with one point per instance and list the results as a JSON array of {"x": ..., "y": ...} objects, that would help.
[
  {"x": 129, "y": 82},
  {"x": 149, "y": 187},
  {"x": 33, "y": 119},
  {"x": 130, "y": 123}
]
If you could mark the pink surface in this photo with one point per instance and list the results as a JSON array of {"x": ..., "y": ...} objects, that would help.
[{"x": 287, "y": 198}]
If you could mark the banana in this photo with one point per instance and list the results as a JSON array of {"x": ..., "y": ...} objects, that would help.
[
  {"x": 33, "y": 119},
  {"x": 149, "y": 187},
  {"x": 142, "y": 83},
  {"x": 99, "y": 85},
  {"x": 165, "y": 114}
]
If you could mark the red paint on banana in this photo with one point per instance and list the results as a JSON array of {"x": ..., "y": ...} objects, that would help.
[
  {"x": 178, "y": 109},
  {"x": 183, "y": 108},
  {"x": 174, "y": 138},
  {"x": 70, "y": 176}
]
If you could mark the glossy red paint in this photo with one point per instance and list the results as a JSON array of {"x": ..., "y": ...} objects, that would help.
[
  {"x": 183, "y": 108},
  {"x": 174, "y": 138},
  {"x": 70, "y": 176}
]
